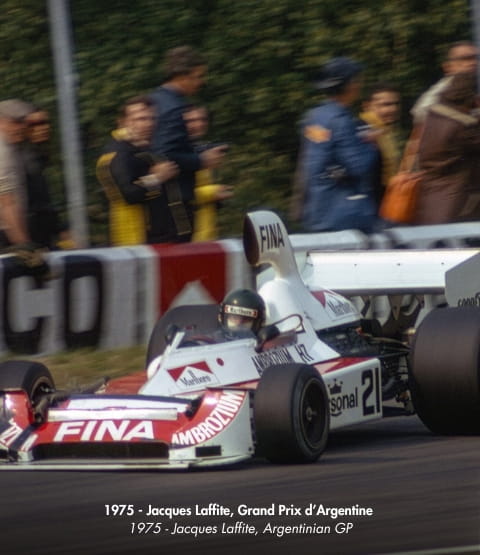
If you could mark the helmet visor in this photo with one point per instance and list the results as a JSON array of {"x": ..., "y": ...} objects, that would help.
[{"x": 239, "y": 317}]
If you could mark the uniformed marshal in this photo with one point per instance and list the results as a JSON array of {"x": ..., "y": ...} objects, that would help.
[{"x": 337, "y": 157}]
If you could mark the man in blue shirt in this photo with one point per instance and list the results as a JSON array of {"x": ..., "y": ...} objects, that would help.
[
  {"x": 185, "y": 74},
  {"x": 338, "y": 156}
]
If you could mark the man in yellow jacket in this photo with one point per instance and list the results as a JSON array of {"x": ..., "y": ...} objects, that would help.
[
  {"x": 134, "y": 181},
  {"x": 207, "y": 193},
  {"x": 381, "y": 113}
]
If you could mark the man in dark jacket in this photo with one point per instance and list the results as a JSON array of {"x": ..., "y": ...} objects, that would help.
[
  {"x": 45, "y": 226},
  {"x": 337, "y": 159},
  {"x": 185, "y": 73},
  {"x": 135, "y": 182}
]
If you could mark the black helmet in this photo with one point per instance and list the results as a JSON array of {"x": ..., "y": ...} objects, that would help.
[{"x": 242, "y": 309}]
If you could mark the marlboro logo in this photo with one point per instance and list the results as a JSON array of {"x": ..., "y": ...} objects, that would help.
[{"x": 192, "y": 375}]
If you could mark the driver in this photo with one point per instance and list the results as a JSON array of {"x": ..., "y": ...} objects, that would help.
[{"x": 242, "y": 310}]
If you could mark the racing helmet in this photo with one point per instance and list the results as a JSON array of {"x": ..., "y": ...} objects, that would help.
[{"x": 242, "y": 309}]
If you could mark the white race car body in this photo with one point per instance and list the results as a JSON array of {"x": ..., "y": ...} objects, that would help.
[{"x": 201, "y": 404}]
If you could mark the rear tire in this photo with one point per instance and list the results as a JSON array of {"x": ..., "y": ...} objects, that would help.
[
  {"x": 445, "y": 371},
  {"x": 32, "y": 377},
  {"x": 291, "y": 414}
]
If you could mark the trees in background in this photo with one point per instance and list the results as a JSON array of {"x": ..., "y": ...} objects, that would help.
[{"x": 262, "y": 56}]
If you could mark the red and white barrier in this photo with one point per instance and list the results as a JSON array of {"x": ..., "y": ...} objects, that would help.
[{"x": 111, "y": 297}]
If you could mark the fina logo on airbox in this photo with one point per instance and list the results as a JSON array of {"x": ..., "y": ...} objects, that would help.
[{"x": 271, "y": 236}]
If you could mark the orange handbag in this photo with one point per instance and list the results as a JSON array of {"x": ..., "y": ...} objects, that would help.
[
  {"x": 399, "y": 202},
  {"x": 400, "y": 199}
]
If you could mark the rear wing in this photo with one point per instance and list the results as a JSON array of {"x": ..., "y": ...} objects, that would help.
[
  {"x": 396, "y": 272},
  {"x": 397, "y": 287}
]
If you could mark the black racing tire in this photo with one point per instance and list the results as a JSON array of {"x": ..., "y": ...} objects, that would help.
[
  {"x": 204, "y": 318},
  {"x": 33, "y": 377},
  {"x": 445, "y": 371},
  {"x": 291, "y": 414}
]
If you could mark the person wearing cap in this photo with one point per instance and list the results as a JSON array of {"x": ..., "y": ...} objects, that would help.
[
  {"x": 337, "y": 160},
  {"x": 13, "y": 197}
]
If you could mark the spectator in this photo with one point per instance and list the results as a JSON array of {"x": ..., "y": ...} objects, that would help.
[
  {"x": 43, "y": 221},
  {"x": 135, "y": 182},
  {"x": 461, "y": 57},
  {"x": 14, "y": 236},
  {"x": 381, "y": 113},
  {"x": 336, "y": 162},
  {"x": 208, "y": 194},
  {"x": 185, "y": 73},
  {"x": 447, "y": 151},
  {"x": 13, "y": 195}
]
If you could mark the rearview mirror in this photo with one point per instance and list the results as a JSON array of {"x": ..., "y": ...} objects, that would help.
[{"x": 266, "y": 334}]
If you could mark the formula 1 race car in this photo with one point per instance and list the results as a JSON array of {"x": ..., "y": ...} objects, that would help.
[{"x": 212, "y": 396}]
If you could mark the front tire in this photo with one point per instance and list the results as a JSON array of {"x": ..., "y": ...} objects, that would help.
[
  {"x": 32, "y": 377},
  {"x": 445, "y": 371},
  {"x": 291, "y": 414}
]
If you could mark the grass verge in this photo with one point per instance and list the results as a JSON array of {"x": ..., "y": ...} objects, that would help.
[{"x": 71, "y": 369}]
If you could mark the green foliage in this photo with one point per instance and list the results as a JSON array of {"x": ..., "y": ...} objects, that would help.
[{"x": 261, "y": 53}]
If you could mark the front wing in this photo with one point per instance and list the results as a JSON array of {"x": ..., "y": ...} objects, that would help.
[
  {"x": 131, "y": 431},
  {"x": 119, "y": 432}
]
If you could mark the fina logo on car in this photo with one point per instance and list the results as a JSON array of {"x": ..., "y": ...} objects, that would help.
[
  {"x": 341, "y": 401},
  {"x": 104, "y": 430},
  {"x": 271, "y": 236},
  {"x": 192, "y": 375}
]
